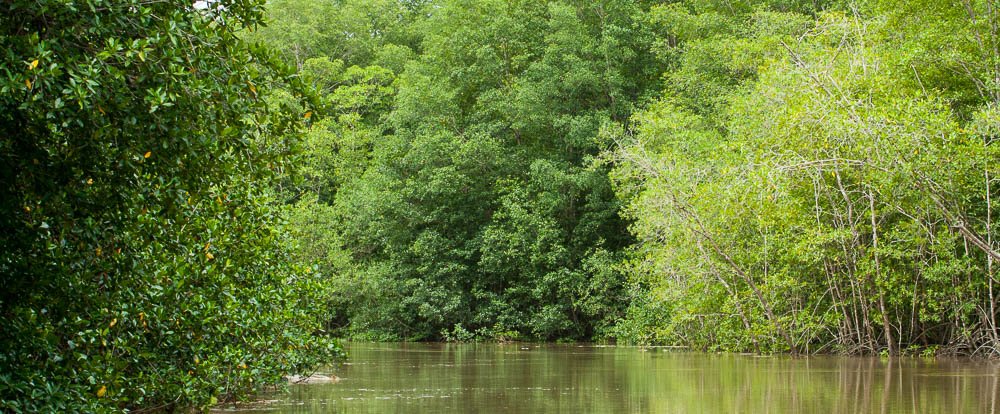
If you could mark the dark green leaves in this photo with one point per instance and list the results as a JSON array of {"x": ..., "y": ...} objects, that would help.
[{"x": 140, "y": 227}]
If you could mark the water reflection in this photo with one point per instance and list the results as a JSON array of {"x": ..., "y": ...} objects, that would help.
[{"x": 490, "y": 378}]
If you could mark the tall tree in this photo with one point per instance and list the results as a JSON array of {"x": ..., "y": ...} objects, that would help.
[{"x": 485, "y": 213}]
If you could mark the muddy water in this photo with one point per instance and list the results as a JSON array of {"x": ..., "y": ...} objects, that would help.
[{"x": 531, "y": 378}]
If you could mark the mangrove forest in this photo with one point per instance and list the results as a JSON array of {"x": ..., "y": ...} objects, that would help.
[{"x": 199, "y": 199}]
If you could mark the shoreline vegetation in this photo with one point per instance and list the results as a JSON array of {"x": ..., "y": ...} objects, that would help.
[
  {"x": 143, "y": 264},
  {"x": 772, "y": 176},
  {"x": 200, "y": 199}
]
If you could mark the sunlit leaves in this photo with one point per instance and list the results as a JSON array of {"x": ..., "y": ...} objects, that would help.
[{"x": 823, "y": 172}]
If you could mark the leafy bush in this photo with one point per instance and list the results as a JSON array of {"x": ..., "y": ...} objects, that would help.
[{"x": 141, "y": 261}]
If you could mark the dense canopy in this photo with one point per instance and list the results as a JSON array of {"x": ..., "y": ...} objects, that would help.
[
  {"x": 779, "y": 175},
  {"x": 196, "y": 198}
]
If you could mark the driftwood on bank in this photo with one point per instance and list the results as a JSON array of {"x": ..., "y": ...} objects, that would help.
[{"x": 312, "y": 379}]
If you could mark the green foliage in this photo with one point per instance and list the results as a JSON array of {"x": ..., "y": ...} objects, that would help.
[
  {"x": 141, "y": 262},
  {"x": 811, "y": 184},
  {"x": 460, "y": 172},
  {"x": 354, "y": 31},
  {"x": 759, "y": 175}
]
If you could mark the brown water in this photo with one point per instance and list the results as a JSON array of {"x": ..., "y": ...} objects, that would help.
[{"x": 530, "y": 378}]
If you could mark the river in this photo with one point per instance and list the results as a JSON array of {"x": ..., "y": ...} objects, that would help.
[{"x": 536, "y": 378}]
